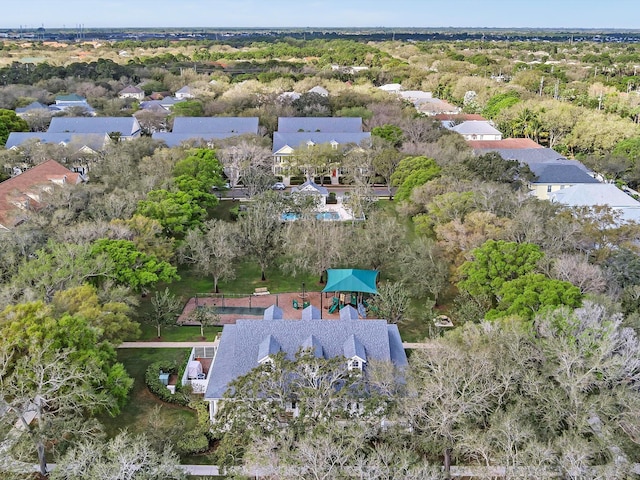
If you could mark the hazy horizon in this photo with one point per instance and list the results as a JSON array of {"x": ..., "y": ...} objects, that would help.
[{"x": 547, "y": 14}]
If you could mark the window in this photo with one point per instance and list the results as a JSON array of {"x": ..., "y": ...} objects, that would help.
[
  {"x": 355, "y": 364},
  {"x": 548, "y": 188}
]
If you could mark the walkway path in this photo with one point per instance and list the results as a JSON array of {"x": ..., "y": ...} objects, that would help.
[{"x": 406, "y": 345}]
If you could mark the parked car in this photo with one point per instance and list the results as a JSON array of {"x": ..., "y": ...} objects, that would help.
[
  {"x": 279, "y": 186},
  {"x": 225, "y": 186}
]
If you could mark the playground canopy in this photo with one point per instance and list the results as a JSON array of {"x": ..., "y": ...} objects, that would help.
[{"x": 351, "y": 280}]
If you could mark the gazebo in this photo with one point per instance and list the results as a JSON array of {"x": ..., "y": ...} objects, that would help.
[{"x": 351, "y": 280}]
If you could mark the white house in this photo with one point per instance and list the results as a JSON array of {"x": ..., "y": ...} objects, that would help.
[{"x": 475, "y": 130}]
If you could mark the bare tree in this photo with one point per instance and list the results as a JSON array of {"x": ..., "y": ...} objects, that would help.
[
  {"x": 212, "y": 250},
  {"x": 242, "y": 157},
  {"x": 45, "y": 393},
  {"x": 577, "y": 270},
  {"x": 314, "y": 246},
  {"x": 261, "y": 232},
  {"x": 124, "y": 457}
]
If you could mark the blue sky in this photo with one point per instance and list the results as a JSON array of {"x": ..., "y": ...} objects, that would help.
[{"x": 317, "y": 13}]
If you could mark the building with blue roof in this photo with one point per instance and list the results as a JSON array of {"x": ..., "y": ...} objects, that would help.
[
  {"x": 206, "y": 130},
  {"x": 250, "y": 343},
  {"x": 287, "y": 142},
  {"x": 127, "y": 127}
]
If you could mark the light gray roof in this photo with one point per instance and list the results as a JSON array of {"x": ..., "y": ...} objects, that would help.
[
  {"x": 295, "y": 140},
  {"x": 273, "y": 313},
  {"x": 348, "y": 313},
  {"x": 131, "y": 89},
  {"x": 73, "y": 97},
  {"x": 127, "y": 126},
  {"x": 596, "y": 194},
  {"x": 32, "y": 106},
  {"x": 166, "y": 102},
  {"x": 310, "y": 187},
  {"x": 177, "y": 139},
  {"x": 95, "y": 141},
  {"x": 268, "y": 346},
  {"x": 320, "y": 124},
  {"x": 319, "y": 90},
  {"x": 353, "y": 348},
  {"x": 240, "y": 344},
  {"x": 532, "y": 156},
  {"x": 185, "y": 89},
  {"x": 234, "y": 125},
  {"x": 311, "y": 313},
  {"x": 62, "y": 106},
  {"x": 477, "y": 127},
  {"x": 560, "y": 174}
]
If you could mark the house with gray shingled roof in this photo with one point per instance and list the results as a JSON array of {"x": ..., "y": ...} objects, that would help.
[
  {"x": 551, "y": 177},
  {"x": 600, "y": 194},
  {"x": 305, "y": 132},
  {"x": 475, "y": 130},
  {"x": 249, "y": 343},
  {"x": 320, "y": 124},
  {"x": 206, "y": 130},
  {"x": 131, "y": 91},
  {"x": 83, "y": 142},
  {"x": 232, "y": 125},
  {"x": 127, "y": 127}
]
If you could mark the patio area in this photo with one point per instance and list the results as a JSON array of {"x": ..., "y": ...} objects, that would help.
[{"x": 285, "y": 301}]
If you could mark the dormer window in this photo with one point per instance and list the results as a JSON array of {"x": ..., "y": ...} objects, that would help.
[
  {"x": 355, "y": 364},
  {"x": 310, "y": 144}
]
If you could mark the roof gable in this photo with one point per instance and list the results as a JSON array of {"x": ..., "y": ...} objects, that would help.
[
  {"x": 353, "y": 348},
  {"x": 269, "y": 346}
]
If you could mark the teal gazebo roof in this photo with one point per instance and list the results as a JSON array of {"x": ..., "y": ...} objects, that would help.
[{"x": 351, "y": 280}]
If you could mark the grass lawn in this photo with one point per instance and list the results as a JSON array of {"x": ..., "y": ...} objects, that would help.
[
  {"x": 248, "y": 278},
  {"x": 135, "y": 414},
  {"x": 177, "y": 334}
]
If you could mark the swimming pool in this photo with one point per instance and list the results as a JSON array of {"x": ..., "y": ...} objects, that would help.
[
  {"x": 291, "y": 216},
  {"x": 328, "y": 216},
  {"x": 240, "y": 310}
]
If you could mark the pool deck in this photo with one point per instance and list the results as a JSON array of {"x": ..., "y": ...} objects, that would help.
[{"x": 283, "y": 300}]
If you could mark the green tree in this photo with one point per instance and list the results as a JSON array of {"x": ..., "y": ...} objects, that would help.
[
  {"x": 10, "y": 122},
  {"x": 392, "y": 134},
  {"x": 110, "y": 319},
  {"x": 528, "y": 294},
  {"x": 177, "y": 212},
  {"x": 409, "y": 165},
  {"x": 165, "y": 307},
  {"x": 497, "y": 262},
  {"x": 202, "y": 165},
  {"x": 134, "y": 268},
  {"x": 188, "y": 108},
  {"x": 491, "y": 167}
]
